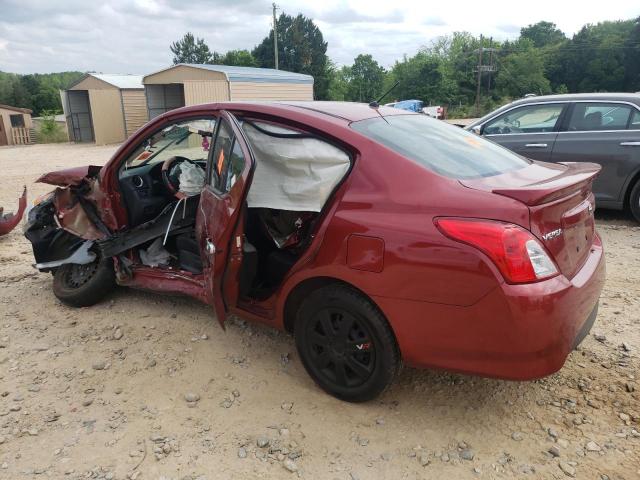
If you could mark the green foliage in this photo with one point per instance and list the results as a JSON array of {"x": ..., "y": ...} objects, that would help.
[
  {"x": 48, "y": 131},
  {"x": 38, "y": 92},
  {"x": 632, "y": 58},
  {"x": 364, "y": 79},
  {"x": 190, "y": 50},
  {"x": 522, "y": 72},
  {"x": 543, "y": 34},
  {"x": 338, "y": 82},
  {"x": 594, "y": 59},
  {"x": 240, "y": 58},
  {"x": 301, "y": 49}
]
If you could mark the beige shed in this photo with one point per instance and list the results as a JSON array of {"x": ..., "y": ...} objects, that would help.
[
  {"x": 15, "y": 125},
  {"x": 104, "y": 108},
  {"x": 189, "y": 84}
]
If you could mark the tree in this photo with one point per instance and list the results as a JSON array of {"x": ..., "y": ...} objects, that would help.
[
  {"x": 338, "y": 82},
  {"x": 38, "y": 91},
  {"x": 632, "y": 59},
  {"x": 522, "y": 72},
  {"x": 594, "y": 59},
  {"x": 543, "y": 34},
  {"x": 190, "y": 50},
  {"x": 242, "y": 58},
  {"x": 301, "y": 49},
  {"x": 365, "y": 79}
]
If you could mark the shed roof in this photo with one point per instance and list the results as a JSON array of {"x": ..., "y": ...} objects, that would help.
[
  {"x": 248, "y": 74},
  {"x": 118, "y": 80},
  {"x": 14, "y": 109}
]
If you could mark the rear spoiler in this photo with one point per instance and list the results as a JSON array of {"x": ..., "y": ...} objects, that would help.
[{"x": 575, "y": 178}]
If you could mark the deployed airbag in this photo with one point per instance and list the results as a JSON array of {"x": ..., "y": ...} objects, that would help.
[
  {"x": 191, "y": 179},
  {"x": 294, "y": 171}
]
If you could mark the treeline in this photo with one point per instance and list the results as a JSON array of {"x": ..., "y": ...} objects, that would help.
[
  {"x": 38, "y": 92},
  {"x": 598, "y": 58},
  {"x": 542, "y": 60}
]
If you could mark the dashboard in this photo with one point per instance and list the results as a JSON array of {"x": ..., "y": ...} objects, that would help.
[{"x": 145, "y": 194}]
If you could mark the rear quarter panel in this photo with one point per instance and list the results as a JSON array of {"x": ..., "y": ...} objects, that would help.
[{"x": 394, "y": 199}]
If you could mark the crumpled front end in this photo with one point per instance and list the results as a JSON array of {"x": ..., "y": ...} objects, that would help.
[
  {"x": 63, "y": 225},
  {"x": 9, "y": 221}
]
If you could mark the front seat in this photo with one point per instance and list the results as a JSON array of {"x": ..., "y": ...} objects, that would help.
[{"x": 592, "y": 121}]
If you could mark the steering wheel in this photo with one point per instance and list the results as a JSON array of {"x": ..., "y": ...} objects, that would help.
[{"x": 170, "y": 172}]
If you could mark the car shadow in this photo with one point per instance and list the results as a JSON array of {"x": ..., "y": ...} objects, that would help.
[{"x": 615, "y": 217}]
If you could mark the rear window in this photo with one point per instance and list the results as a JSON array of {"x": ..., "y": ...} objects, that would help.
[{"x": 442, "y": 148}]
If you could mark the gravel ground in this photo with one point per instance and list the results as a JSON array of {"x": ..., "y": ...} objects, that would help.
[{"x": 150, "y": 387}]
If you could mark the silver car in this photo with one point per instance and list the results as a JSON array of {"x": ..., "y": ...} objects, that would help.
[{"x": 597, "y": 127}]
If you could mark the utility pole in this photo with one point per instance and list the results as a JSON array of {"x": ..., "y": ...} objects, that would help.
[
  {"x": 479, "y": 78},
  {"x": 275, "y": 35},
  {"x": 490, "y": 65}
]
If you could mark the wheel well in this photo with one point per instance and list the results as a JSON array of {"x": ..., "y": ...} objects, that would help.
[
  {"x": 299, "y": 293},
  {"x": 304, "y": 288},
  {"x": 632, "y": 183}
]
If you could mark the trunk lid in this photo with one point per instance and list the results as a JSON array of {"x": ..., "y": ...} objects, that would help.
[{"x": 560, "y": 203}]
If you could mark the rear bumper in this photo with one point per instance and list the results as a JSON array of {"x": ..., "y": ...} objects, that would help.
[{"x": 518, "y": 332}]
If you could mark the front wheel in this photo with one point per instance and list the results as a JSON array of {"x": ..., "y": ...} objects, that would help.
[
  {"x": 634, "y": 201},
  {"x": 346, "y": 344},
  {"x": 84, "y": 285}
]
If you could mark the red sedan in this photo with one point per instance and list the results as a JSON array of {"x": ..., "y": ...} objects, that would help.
[{"x": 376, "y": 236}]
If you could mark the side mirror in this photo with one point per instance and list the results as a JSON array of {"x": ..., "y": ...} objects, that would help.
[{"x": 476, "y": 129}]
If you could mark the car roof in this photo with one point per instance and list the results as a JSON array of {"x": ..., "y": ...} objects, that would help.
[
  {"x": 349, "y": 111},
  {"x": 567, "y": 97},
  {"x": 342, "y": 112}
]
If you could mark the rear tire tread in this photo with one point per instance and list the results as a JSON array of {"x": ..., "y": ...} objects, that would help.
[{"x": 634, "y": 201}]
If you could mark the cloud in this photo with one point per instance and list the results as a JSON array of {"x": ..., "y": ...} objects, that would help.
[
  {"x": 133, "y": 36},
  {"x": 437, "y": 21},
  {"x": 346, "y": 14},
  {"x": 509, "y": 29}
]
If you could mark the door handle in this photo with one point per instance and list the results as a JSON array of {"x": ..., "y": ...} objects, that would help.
[
  {"x": 536, "y": 145},
  {"x": 630, "y": 144},
  {"x": 210, "y": 247}
]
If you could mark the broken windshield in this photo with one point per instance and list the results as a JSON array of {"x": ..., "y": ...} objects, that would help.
[{"x": 189, "y": 139}]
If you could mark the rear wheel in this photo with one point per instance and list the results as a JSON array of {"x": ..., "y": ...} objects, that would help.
[
  {"x": 346, "y": 344},
  {"x": 634, "y": 201},
  {"x": 83, "y": 285}
]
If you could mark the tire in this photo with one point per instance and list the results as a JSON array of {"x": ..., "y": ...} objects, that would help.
[
  {"x": 84, "y": 285},
  {"x": 346, "y": 344},
  {"x": 634, "y": 201}
]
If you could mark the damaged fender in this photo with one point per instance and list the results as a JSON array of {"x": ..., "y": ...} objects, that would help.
[
  {"x": 9, "y": 221},
  {"x": 64, "y": 225},
  {"x": 74, "y": 209},
  {"x": 81, "y": 256}
]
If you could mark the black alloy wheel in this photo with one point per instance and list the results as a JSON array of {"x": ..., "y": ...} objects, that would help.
[
  {"x": 341, "y": 347},
  {"x": 345, "y": 343}
]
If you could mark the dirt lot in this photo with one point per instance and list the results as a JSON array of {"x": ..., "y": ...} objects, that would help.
[{"x": 100, "y": 392}]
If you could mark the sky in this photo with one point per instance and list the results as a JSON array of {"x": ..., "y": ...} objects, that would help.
[{"x": 133, "y": 36}]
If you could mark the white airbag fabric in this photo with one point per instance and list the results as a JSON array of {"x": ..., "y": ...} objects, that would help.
[
  {"x": 296, "y": 173},
  {"x": 191, "y": 179}
]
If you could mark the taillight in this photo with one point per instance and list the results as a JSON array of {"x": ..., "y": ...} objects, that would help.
[{"x": 519, "y": 256}]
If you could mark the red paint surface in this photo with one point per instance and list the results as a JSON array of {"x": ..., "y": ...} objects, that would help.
[
  {"x": 446, "y": 302},
  {"x": 365, "y": 253},
  {"x": 70, "y": 176},
  {"x": 9, "y": 221}
]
